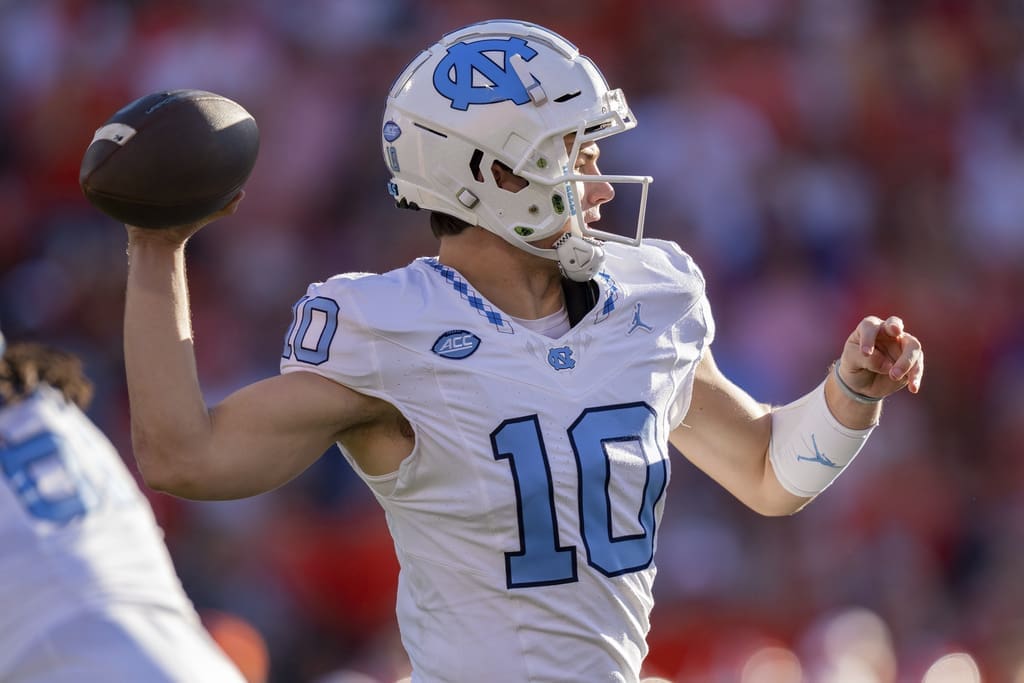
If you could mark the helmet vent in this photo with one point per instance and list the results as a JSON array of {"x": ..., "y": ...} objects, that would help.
[
  {"x": 568, "y": 96},
  {"x": 430, "y": 130},
  {"x": 474, "y": 165}
]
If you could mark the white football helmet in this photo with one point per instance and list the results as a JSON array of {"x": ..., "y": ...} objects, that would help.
[{"x": 506, "y": 91}]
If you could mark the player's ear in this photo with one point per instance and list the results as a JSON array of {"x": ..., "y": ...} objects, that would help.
[{"x": 505, "y": 179}]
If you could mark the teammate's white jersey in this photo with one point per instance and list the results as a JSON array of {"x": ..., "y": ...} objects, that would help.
[
  {"x": 75, "y": 531},
  {"x": 525, "y": 518}
]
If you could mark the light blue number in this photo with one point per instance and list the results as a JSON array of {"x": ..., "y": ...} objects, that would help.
[
  {"x": 589, "y": 435},
  {"x": 317, "y": 355},
  {"x": 287, "y": 353},
  {"x": 22, "y": 463},
  {"x": 540, "y": 561}
]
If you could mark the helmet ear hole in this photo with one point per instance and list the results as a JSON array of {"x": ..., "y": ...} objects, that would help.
[{"x": 506, "y": 179}]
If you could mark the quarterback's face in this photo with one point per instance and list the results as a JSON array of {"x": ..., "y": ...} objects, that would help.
[{"x": 594, "y": 193}]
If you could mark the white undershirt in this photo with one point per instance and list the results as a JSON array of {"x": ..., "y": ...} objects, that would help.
[{"x": 554, "y": 325}]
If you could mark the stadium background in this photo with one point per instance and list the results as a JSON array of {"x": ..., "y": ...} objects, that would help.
[{"x": 821, "y": 159}]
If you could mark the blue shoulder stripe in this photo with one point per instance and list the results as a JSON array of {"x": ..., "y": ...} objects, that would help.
[{"x": 471, "y": 297}]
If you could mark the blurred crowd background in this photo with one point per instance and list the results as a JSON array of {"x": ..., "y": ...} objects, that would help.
[{"x": 821, "y": 159}]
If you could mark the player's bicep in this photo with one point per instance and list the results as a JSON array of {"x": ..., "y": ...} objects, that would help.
[{"x": 267, "y": 433}]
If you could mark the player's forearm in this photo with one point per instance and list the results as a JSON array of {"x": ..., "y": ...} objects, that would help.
[
  {"x": 729, "y": 443},
  {"x": 168, "y": 414}
]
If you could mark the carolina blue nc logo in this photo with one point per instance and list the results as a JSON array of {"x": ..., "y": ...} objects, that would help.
[
  {"x": 457, "y": 344},
  {"x": 456, "y": 76},
  {"x": 561, "y": 358}
]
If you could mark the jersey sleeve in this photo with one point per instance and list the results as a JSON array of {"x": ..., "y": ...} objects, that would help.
[
  {"x": 697, "y": 324},
  {"x": 686, "y": 270},
  {"x": 328, "y": 336}
]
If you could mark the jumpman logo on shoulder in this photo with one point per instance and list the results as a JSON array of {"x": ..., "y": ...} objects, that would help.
[
  {"x": 819, "y": 457},
  {"x": 638, "y": 324}
]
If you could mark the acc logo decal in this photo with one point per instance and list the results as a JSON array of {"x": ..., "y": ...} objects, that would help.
[
  {"x": 456, "y": 344},
  {"x": 456, "y": 76},
  {"x": 391, "y": 131}
]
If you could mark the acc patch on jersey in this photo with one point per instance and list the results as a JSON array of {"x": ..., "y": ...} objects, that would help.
[{"x": 456, "y": 344}]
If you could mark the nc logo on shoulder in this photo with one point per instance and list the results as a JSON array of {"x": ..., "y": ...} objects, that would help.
[
  {"x": 469, "y": 74},
  {"x": 456, "y": 344}
]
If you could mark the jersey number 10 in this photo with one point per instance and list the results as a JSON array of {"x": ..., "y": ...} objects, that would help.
[{"x": 541, "y": 561}]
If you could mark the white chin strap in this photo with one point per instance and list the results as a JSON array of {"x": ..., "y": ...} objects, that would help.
[{"x": 580, "y": 258}]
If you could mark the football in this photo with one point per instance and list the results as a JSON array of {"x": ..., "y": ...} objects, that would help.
[{"x": 170, "y": 158}]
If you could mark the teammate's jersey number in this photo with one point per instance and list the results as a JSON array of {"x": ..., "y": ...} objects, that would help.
[
  {"x": 42, "y": 476},
  {"x": 541, "y": 561}
]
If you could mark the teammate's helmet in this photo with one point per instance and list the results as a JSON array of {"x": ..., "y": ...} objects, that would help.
[{"x": 506, "y": 91}]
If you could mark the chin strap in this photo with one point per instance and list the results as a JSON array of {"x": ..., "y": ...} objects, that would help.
[{"x": 580, "y": 258}]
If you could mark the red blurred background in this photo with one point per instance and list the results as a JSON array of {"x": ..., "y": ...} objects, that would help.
[{"x": 821, "y": 159}]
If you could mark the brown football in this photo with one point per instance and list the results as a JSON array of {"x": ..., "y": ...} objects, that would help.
[{"x": 170, "y": 158}]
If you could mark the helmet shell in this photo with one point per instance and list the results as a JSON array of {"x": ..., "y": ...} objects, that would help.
[{"x": 498, "y": 91}]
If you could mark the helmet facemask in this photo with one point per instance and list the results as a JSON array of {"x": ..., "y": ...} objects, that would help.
[{"x": 511, "y": 93}]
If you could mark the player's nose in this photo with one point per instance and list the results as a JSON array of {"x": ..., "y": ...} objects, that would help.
[{"x": 598, "y": 193}]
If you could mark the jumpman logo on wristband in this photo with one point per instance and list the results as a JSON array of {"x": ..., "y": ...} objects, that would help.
[{"x": 819, "y": 457}]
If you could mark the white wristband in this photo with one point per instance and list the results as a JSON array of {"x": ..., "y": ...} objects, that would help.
[{"x": 809, "y": 448}]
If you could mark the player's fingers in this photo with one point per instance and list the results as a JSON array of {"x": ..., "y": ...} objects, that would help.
[
  {"x": 915, "y": 374},
  {"x": 867, "y": 333},
  {"x": 893, "y": 326},
  {"x": 879, "y": 362},
  {"x": 232, "y": 206},
  {"x": 227, "y": 209},
  {"x": 909, "y": 356}
]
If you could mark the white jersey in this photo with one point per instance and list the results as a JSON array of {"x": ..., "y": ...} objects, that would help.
[
  {"x": 75, "y": 530},
  {"x": 525, "y": 519}
]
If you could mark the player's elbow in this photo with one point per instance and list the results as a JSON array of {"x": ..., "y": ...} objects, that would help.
[
  {"x": 777, "y": 508},
  {"x": 164, "y": 477},
  {"x": 163, "y": 468},
  {"x": 165, "y": 480},
  {"x": 776, "y": 502}
]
